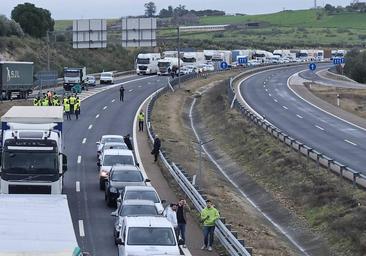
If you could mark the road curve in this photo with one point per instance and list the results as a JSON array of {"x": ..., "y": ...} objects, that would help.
[
  {"x": 269, "y": 95},
  {"x": 102, "y": 113}
]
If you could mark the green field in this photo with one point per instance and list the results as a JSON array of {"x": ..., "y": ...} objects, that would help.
[
  {"x": 302, "y": 18},
  {"x": 62, "y": 24}
]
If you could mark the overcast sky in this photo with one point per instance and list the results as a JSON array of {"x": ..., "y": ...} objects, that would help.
[{"x": 76, "y": 9}]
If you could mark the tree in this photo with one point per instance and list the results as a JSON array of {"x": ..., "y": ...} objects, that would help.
[
  {"x": 33, "y": 20},
  {"x": 150, "y": 9},
  {"x": 180, "y": 10},
  {"x": 9, "y": 27},
  {"x": 166, "y": 13}
]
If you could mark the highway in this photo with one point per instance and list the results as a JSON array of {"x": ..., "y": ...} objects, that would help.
[
  {"x": 101, "y": 113},
  {"x": 269, "y": 95}
]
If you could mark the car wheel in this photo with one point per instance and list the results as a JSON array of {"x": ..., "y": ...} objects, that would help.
[{"x": 116, "y": 235}]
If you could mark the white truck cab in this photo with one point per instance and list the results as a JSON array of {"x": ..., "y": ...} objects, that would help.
[
  {"x": 147, "y": 63},
  {"x": 147, "y": 235}
]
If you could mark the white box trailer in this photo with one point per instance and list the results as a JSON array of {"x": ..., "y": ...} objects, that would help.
[{"x": 36, "y": 225}]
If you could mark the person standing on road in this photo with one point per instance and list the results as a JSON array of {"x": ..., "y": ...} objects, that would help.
[
  {"x": 127, "y": 141},
  {"x": 121, "y": 93},
  {"x": 182, "y": 208},
  {"x": 77, "y": 110},
  {"x": 141, "y": 118},
  {"x": 67, "y": 110},
  {"x": 156, "y": 149},
  {"x": 72, "y": 101},
  {"x": 209, "y": 216},
  {"x": 171, "y": 214}
]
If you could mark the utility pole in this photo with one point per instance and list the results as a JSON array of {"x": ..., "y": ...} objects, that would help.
[
  {"x": 199, "y": 171},
  {"x": 48, "y": 50},
  {"x": 178, "y": 31}
]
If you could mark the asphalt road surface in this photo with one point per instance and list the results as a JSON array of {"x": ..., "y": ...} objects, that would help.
[
  {"x": 268, "y": 94},
  {"x": 101, "y": 114}
]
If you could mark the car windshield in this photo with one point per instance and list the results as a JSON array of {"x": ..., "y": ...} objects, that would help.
[
  {"x": 143, "y": 61},
  {"x": 163, "y": 64},
  {"x": 142, "y": 195},
  {"x": 110, "y": 160},
  {"x": 111, "y": 139},
  {"x": 70, "y": 73},
  {"x": 115, "y": 146},
  {"x": 106, "y": 75},
  {"x": 127, "y": 176},
  {"x": 151, "y": 236},
  {"x": 133, "y": 210}
]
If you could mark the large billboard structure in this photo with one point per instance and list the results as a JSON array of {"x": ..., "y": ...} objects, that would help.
[
  {"x": 89, "y": 33},
  {"x": 139, "y": 32}
]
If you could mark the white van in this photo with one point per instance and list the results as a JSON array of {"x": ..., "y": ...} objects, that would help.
[{"x": 147, "y": 235}]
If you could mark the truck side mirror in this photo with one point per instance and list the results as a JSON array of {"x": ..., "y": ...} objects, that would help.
[{"x": 64, "y": 163}]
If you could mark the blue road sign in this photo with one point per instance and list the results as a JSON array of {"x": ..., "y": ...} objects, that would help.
[
  {"x": 223, "y": 65},
  {"x": 242, "y": 60},
  {"x": 312, "y": 66},
  {"x": 338, "y": 61}
]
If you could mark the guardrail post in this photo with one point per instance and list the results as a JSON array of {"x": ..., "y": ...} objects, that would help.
[
  {"x": 355, "y": 176},
  {"x": 342, "y": 167},
  {"x": 330, "y": 162},
  {"x": 308, "y": 152},
  {"x": 318, "y": 156}
]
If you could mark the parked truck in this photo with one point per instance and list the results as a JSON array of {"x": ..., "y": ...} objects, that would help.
[
  {"x": 32, "y": 159},
  {"x": 147, "y": 63},
  {"x": 73, "y": 77},
  {"x": 167, "y": 65},
  {"x": 37, "y": 225},
  {"x": 16, "y": 78}
]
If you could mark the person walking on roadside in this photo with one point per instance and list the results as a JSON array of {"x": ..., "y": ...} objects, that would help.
[
  {"x": 121, "y": 93},
  {"x": 170, "y": 213},
  {"x": 127, "y": 141},
  {"x": 141, "y": 118},
  {"x": 67, "y": 110},
  {"x": 209, "y": 216},
  {"x": 182, "y": 209},
  {"x": 156, "y": 148}
]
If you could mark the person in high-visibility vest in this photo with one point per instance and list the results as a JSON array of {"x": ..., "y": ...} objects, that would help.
[
  {"x": 35, "y": 101},
  {"x": 72, "y": 101},
  {"x": 65, "y": 100},
  {"x": 55, "y": 101},
  {"x": 141, "y": 118},
  {"x": 77, "y": 110},
  {"x": 67, "y": 111},
  {"x": 45, "y": 102},
  {"x": 78, "y": 101}
]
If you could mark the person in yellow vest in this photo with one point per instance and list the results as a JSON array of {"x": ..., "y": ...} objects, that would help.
[
  {"x": 35, "y": 101},
  {"x": 67, "y": 111},
  {"x": 72, "y": 101},
  {"x": 141, "y": 118},
  {"x": 45, "y": 102},
  {"x": 78, "y": 101},
  {"x": 66, "y": 100},
  {"x": 77, "y": 110},
  {"x": 55, "y": 101}
]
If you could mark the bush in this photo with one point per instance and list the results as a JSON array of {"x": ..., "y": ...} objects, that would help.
[{"x": 10, "y": 27}]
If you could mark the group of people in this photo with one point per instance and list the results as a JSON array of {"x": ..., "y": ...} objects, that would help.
[
  {"x": 176, "y": 214},
  {"x": 48, "y": 99}
]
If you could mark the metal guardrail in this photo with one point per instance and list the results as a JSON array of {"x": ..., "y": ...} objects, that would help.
[
  {"x": 228, "y": 239},
  {"x": 344, "y": 171}
]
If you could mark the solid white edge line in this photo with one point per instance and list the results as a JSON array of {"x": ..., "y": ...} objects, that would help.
[
  {"x": 242, "y": 192},
  {"x": 137, "y": 153},
  {"x": 77, "y": 186},
  {"x": 79, "y": 159},
  {"x": 90, "y": 126},
  {"x": 350, "y": 142},
  {"x": 315, "y": 106},
  {"x": 81, "y": 228},
  {"x": 84, "y": 140},
  {"x": 320, "y": 128}
]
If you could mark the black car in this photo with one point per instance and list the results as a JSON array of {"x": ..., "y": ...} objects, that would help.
[{"x": 119, "y": 177}]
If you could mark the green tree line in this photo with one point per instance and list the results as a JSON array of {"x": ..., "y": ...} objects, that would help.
[{"x": 355, "y": 66}]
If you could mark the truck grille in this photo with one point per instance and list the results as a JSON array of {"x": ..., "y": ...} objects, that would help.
[
  {"x": 142, "y": 67},
  {"x": 29, "y": 189}
]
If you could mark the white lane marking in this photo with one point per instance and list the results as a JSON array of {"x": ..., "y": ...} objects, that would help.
[
  {"x": 320, "y": 128},
  {"x": 105, "y": 107},
  {"x": 275, "y": 100},
  {"x": 264, "y": 86},
  {"x": 266, "y": 90},
  {"x": 113, "y": 100},
  {"x": 270, "y": 95},
  {"x": 299, "y": 116},
  {"x": 131, "y": 90},
  {"x": 264, "y": 82},
  {"x": 79, "y": 159},
  {"x": 84, "y": 140},
  {"x": 285, "y": 107},
  {"x": 97, "y": 116},
  {"x": 81, "y": 228},
  {"x": 90, "y": 126},
  {"x": 77, "y": 186},
  {"x": 139, "y": 86},
  {"x": 350, "y": 142}
]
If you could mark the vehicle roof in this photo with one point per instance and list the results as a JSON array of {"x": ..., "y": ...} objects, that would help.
[
  {"x": 138, "y": 202},
  {"x": 36, "y": 224},
  {"x": 15, "y": 62},
  {"x": 147, "y": 221},
  {"x": 139, "y": 188},
  {"x": 125, "y": 167},
  {"x": 117, "y": 151},
  {"x": 34, "y": 114},
  {"x": 107, "y": 72},
  {"x": 111, "y": 136}
]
